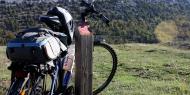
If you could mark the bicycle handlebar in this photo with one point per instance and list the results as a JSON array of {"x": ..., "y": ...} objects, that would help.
[{"x": 90, "y": 9}]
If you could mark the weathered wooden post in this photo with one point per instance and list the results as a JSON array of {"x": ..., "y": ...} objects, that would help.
[{"x": 83, "y": 48}]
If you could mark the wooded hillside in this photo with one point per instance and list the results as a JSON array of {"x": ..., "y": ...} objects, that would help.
[{"x": 132, "y": 20}]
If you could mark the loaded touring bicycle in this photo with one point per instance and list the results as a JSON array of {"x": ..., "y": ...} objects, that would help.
[{"x": 39, "y": 53}]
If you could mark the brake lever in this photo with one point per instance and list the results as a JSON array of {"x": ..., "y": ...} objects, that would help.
[{"x": 104, "y": 19}]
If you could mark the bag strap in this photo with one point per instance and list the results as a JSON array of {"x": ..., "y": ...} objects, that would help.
[{"x": 38, "y": 31}]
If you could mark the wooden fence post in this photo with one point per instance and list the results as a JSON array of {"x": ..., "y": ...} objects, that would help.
[{"x": 83, "y": 72}]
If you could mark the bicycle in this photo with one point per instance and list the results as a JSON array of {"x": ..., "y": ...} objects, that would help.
[{"x": 31, "y": 79}]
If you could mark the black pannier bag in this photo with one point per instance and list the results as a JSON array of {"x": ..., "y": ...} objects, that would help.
[{"x": 36, "y": 45}]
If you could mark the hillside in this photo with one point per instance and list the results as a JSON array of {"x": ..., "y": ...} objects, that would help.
[{"x": 132, "y": 20}]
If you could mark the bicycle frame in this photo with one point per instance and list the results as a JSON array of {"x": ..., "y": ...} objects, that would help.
[
  {"x": 83, "y": 29},
  {"x": 58, "y": 74}
]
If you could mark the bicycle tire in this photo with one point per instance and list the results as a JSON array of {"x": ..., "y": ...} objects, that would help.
[
  {"x": 113, "y": 69},
  {"x": 25, "y": 85}
]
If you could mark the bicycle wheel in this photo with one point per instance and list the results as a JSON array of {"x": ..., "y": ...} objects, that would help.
[
  {"x": 15, "y": 87},
  {"x": 19, "y": 87},
  {"x": 104, "y": 66},
  {"x": 26, "y": 86}
]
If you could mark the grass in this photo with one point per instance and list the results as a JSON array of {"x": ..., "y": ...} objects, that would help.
[
  {"x": 4, "y": 73},
  {"x": 143, "y": 69},
  {"x": 151, "y": 70}
]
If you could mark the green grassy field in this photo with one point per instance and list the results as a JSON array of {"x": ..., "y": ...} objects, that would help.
[
  {"x": 151, "y": 70},
  {"x": 143, "y": 69}
]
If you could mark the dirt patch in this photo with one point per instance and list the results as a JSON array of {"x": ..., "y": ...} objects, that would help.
[{"x": 143, "y": 73}]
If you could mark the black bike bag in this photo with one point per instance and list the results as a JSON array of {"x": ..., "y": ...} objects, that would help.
[{"x": 35, "y": 46}]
